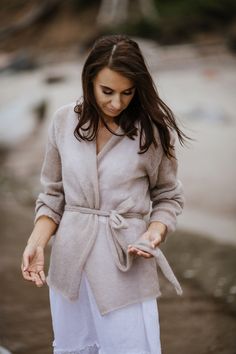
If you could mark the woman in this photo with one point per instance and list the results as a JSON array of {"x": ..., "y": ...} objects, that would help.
[{"x": 106, "y": 159}]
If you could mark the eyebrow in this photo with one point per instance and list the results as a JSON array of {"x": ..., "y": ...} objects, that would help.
[{"x": 108, "y": 88}]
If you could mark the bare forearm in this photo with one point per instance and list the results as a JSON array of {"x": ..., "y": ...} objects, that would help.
[{"x": 44, "y": 228}]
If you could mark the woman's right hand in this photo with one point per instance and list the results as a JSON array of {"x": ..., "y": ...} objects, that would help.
[{"x": 32, "y": 265}]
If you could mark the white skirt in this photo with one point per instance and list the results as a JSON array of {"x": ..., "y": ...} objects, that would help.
[{"x": 79, "y": 327}]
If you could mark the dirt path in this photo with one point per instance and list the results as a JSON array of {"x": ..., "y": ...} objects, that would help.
[{"x": 193, "y": 323}]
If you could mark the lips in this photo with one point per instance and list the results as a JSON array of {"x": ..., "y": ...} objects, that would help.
[{"x": 113, "y": 111}]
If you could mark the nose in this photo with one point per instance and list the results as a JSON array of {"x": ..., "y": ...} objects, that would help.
[{"x": 116, "y": 102}]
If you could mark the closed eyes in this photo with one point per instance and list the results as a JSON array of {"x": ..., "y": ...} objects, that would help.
[{"x": 111, "y": 92}]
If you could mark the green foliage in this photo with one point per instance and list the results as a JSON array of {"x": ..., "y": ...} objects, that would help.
[
  {"x": 180, "y": 19},
  {"x": 216, "y": 9}
]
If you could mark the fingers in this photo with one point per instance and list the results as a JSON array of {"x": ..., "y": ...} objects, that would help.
[
  {"x": 156, "y": 243},
  {"x": 42, "y": 276},
  {"x": 35, "y": 278},
  {"x": 138, "y": 252},
  {"x": 38, "y": 278},
  {"x": 25, "y": 273}
]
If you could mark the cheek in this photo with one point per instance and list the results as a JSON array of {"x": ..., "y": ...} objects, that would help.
[{"x": 99, "y": 98}]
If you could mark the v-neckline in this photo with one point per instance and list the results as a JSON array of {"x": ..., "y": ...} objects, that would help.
[{"x": 107, "y": 144}]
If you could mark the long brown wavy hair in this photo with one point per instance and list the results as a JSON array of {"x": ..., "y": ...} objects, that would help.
[{"x": 122, "y": 54}]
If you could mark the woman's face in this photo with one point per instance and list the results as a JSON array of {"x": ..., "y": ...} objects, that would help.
[{"x": 113, "y": 92}]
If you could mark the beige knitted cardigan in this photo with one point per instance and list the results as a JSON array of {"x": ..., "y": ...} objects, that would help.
[{"x": 101, "y": 203}]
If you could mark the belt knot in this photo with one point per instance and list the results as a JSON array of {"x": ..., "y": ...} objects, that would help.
[{"x": 117, "y": 221}]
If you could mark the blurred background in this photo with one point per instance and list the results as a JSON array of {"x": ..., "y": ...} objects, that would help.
[{"x": 190, "y": 48}]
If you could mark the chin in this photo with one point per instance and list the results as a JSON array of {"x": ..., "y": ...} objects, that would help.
[{"x": 110, "y": 115}]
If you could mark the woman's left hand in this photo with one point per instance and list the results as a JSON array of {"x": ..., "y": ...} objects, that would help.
[{"x": 154, "y": 235}]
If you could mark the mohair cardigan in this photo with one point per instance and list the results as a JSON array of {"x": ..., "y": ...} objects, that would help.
[{"x": 101, "y": 203}]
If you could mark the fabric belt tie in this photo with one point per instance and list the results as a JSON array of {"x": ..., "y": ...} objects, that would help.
[
  {"x": 118, "y": 245},
  {"x": 116, "y": 217}
]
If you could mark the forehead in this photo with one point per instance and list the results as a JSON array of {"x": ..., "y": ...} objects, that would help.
[{"x": 112, "y": 79}]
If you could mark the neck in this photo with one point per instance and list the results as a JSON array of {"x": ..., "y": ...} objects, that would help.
[{"x": 109, "y": 121}]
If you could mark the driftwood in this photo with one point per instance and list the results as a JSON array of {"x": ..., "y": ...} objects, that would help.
[{"x": 44, "y": 10}]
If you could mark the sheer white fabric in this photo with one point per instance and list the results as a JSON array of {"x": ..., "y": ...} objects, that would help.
[{"x": 79, "y": 327}]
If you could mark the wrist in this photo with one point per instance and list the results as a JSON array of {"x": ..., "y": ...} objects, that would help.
[
  {"x": 160, "y": 228},
  {"x": 35, "y": 242}
]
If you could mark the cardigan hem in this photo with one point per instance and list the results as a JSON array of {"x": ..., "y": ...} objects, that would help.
[
  {"x": 157, "y": 295},
  {"x": 132, "y": 302}
]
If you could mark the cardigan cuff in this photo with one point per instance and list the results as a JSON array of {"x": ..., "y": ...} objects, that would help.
[{"x": 46, "y": 211}]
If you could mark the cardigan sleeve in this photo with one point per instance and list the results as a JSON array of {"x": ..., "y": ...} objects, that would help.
[
  {"x": 51, "y": 200},
  {"x": 166, "y": 192}
]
